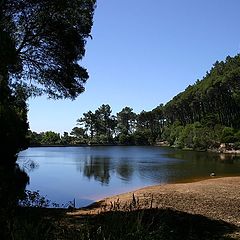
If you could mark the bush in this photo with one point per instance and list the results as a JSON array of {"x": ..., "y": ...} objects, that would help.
[
  {"x": 34, "y": 199},
  {"x": 126, "y": 139},
  {"x": 228, "y": 135},
  {"x": 142, "y": 137}
]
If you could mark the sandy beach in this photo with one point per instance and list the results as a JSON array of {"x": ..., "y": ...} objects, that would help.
[{"x": 216, "y": 198}]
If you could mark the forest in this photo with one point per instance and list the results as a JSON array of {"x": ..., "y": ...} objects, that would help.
[
  {"x": 202, "y": 117},
  {"x": 42, "y": 44}
]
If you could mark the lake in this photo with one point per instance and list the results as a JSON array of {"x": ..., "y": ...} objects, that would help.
[{"x": 87, "y": 174}]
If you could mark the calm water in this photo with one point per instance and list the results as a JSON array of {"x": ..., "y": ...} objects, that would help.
[{"x": 91, "y": 173}]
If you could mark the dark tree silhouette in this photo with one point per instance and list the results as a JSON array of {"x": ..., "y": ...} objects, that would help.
[
  {"x": 41, "y": 43},
  {"x": 48, "y": 39}
]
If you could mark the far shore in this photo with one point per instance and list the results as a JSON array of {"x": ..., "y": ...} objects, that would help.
[
  {"x": 215, "y": 150},
  {"x": 76, "y": 145},
  {"x": 215, "y": 198}
]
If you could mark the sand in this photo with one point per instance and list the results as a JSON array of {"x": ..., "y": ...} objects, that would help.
[{"x": 216, "y": 198}]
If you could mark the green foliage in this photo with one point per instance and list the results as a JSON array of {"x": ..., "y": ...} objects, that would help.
[
  {"x": 78, "y": 135},
  {"x": 14, "y": 126},
  {"x": 39, "y": 52},
  {"x": 151, "y": 123},
  {"x": 34, "y": 199},
  {"x": 143, "y": 137},
  {"x": 194, "y": 136},
  {"x": 237, "y": 136},
  {"x": 125, "y": 139},
  {"x": 126, "y": 121},
  {"x": 48, "y": 46},
  {"x": 126, "y": 128},
  {"x": 213, "y": 100},
  {"x": 172, "y": 133},
  {"x": 51, "y": 137},
  {"x": 34, "y": 138},
  {"x": 65, "y": 139},
  {"x": 228, "y": 135},
  {"x": 208, "y": 112},
  {"x": 99, "y": 126}
]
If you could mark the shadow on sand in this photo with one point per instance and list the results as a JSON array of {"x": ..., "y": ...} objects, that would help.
[{"x": 164, "y": 224}]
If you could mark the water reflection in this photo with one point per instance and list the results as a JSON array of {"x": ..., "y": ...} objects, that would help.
[
  {"x": 173, "y": 166},
  {"x": 101, "y": 168},
  {"x": 228, "y": 158},
  {"x": 125, "y": 169},
  {"x": 90, "y": 173},
  {"x": 199, "y": 165},
  {"x": 97, "y": 168},
  {"x": 204, "y": 156},
  {"x": 29, "y": 165}
]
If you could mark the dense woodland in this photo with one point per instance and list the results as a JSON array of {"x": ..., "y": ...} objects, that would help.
[{"x": 205, "y": 115}]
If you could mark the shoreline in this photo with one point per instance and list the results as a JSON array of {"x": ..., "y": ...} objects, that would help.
[
  {"x": 201, "y": 208},
  {"x": 219, "y": 150},
  {"x": 215, "y": 198}
]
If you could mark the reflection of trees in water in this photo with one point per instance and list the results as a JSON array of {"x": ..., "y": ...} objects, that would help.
[
  {"x": 186, "y": 165},
  {"x": 229, "y": 158},
  {"x": 203, "y": 157},
  {"x": 176, "y": 166},
  {"x": 124, "y": 169},
  {"x": 100, "y": 167},
  {"x": 29, "y": 165},
  {"x": 13, "y": 181},
  {"x": 97, "y": 167}
]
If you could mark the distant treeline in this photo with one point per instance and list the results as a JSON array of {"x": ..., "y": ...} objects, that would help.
[
  {"x": 101, "y": 127},
  {"x": 205, "y": 115}
]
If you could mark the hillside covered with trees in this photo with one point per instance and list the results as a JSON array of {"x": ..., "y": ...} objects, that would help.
[{"x": 203, "y": 116}]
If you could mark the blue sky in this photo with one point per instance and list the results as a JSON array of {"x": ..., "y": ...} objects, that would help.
[{"x": 143, "y": 53}]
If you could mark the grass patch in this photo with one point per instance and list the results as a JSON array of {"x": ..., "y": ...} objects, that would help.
[
  {"x": 157, "y": 224},
  {"x": 141, "y": 224}
]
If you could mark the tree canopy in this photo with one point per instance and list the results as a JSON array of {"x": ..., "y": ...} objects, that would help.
[
  {"x": 47, "y": 39},
  {"x": 41, "y": 44},
  {"x": 214, "y": 99}
]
